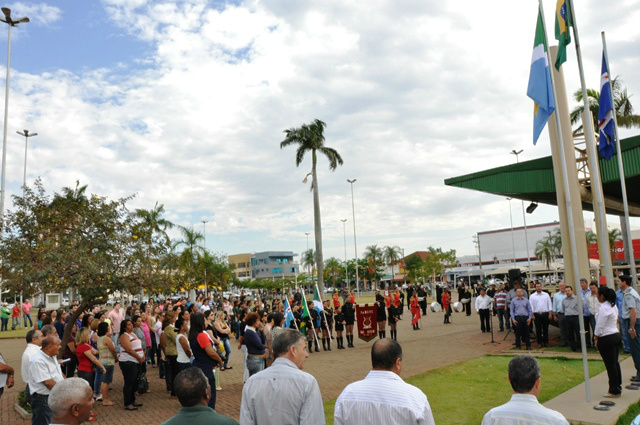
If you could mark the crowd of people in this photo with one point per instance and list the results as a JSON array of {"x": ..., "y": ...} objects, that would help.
[{"x": 190, "y": 343}]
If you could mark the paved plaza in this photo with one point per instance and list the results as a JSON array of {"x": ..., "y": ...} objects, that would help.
[{"x": 434, "y": 346}]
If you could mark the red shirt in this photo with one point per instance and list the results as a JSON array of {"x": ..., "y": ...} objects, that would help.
[
  {"x": 16, "y": 311},
  {"x": 445, "y": 300},
  {"x": 84, "y": 364},
  {"x": 336, "y": 301}
]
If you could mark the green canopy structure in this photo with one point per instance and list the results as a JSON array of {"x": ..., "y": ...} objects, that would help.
[{"x": 534, "y": 181}]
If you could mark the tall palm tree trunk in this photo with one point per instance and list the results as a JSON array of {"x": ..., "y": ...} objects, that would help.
[{"x": 317, "y": 224}]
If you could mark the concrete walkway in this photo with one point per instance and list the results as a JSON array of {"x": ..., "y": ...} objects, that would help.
[{"x": 573, "y": 405}]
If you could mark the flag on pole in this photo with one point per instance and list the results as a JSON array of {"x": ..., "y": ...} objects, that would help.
[
  {"x": 605, "y": 114},
  {"x": 540, "y": 89},
  {"x": 305, "y": 314},
  {"x": 563, "y": 22},
  {"x": 317, "y": 303},
  {"x": 288, "y": 314}
]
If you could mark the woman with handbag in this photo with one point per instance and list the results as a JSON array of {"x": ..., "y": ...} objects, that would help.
[
  {"x": 205, "y": 356},
  {"x": 224, "y": 332}
]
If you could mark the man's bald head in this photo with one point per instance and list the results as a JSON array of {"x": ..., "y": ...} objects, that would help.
[{"x": 384, "y": 354}]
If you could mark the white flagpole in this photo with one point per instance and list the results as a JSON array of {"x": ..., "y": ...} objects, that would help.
[
  {"x": 623, "y": 184},
  {"x": 596, "y": 180},
  {"x": 326, "y": 324},
  {"x": 567, "y": 197}
]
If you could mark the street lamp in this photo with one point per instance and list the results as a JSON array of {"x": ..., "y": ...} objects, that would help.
[
  {"x": 524, "y": 219},
  {"x": 12, "y": 23},
  {"x": 346, "y": 266},
  {"x": 355, "y": 245},
  {"x": 513, "y": 241},
  {"x": 306, "y": 233},
  {"x": 204, "y": 234},
  {"x": 26, "y": 135}
]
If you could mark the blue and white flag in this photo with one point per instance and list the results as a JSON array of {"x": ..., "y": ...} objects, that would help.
[
  {"x": 317, "y": 304},
  {"x": 288, "y": 314},
  {"x": 605, "y": 115}
]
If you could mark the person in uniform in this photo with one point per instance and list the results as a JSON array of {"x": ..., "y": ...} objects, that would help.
[
  {"x": 401, "y": 304},
  {"x": 446, "y": 305},
  {"x": 422, "y": 299},
  {"x": 336, "y": 301},
  {"x": 394, "y": 316},
  {"x": 439, "y": 295},
  {"x": 326, "y": 324},
  {"x": 465, "y": 298},
  {"x": 381, "y": 315},
  {"x": 312, "y": 327},
  {"x": 340, "y": 322},
  {"x": 415, "y": 311},
  {"x": 349, "y": 317}
]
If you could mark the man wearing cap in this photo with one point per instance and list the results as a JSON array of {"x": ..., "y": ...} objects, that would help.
[{"x": 630, "y": 306}]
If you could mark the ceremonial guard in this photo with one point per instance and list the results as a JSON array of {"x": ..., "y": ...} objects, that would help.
[
  {"x": 446, "y": 305},
  {"x": 312, "y": 327},
  {"x": 381, "y": 315},
  {"x": 326, "y": 324},
  {"x": 394, "y": 316},
  {"x": 340, "y": 322},
  {"x": 422, "y": 300},
  {"x": 415, "y": 312}
]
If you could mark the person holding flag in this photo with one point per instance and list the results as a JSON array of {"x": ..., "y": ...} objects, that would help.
[
  {"x": 309, "y": 319},
  {"x": 289, "y": 320},
  {"x": 322, "y": 323},
  {"x": 326, "y": 324}
]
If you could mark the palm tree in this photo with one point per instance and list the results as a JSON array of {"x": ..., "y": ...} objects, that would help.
[
  {"x": 391, "y": 255},
  {"x": 308, "y": 260},
  {"x": 591, "y": 237},
  {"x": 622, "y": 105},
  {"x": 546, "y": 250},
  {"x": 192, "y": 248},
  {"x": 310, "y": 138},
  {"x": 373, "y": 255},
  {"x": 333, "y": 267},
  {"x": 153, "y": 222},
  {"x": 614, "y": 236}
]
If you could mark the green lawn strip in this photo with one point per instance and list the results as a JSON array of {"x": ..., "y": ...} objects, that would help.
[
  {"x": 481, "y": 383},
  {"x": 629, "y": 415},
  {"x": 18, "y": 333}
]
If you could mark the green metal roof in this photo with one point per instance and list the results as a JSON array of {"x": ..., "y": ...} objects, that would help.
[{"x": 533, "y": 180}]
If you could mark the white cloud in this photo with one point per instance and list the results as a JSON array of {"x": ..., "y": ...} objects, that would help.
[
  {"x": 39, "y": 13},
  {"x": 412, "y": 93}
]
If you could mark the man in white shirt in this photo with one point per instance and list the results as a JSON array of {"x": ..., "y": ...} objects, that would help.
[
  {"x": 383, "y": 397},
  {"x": 283, "y": 393},
  {"x": 542, "y": 313},
  {"x": 483, "y": 306},
  {"x": 34, "y": 341},
  {"x": 45, "y": 373},
  {"x": 71, "y": 401},
  {"x": 524, "y": 408}
]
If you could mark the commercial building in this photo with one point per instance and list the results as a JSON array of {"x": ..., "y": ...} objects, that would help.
[
  {"x": 263, "y": 265},
  {"x": 241, "y": 265}
]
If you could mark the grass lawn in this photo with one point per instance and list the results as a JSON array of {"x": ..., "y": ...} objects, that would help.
[
  {"x": 18, "y": 333},
  {"x": 630, "y": 414},
  {"x": 464, "y": 392}
]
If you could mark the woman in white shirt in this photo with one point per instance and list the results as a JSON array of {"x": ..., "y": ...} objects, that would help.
[
  {"x": 607, "y": 339},
  {"x": 182, "y": 344}
]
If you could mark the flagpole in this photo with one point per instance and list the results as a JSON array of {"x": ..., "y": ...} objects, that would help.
[
  {"x": 326, "y": 324},
  {"x": 623, "y": 183},
  {"x": 567, "y": 197}
]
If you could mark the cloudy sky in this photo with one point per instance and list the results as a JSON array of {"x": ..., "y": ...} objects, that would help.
[{"x": 185, "y": 103}]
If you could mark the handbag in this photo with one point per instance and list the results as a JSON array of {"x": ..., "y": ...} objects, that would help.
[{"x": 142, "y": 385}]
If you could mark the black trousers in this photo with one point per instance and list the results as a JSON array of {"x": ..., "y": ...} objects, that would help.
[
  {"x": 130, "y": 375},
  {"x": 467, "y": 308},
  {"x": 542, "y": 327},
  {"x": 485, "y": 319},
  {"x": 171, "y": 372},
  {"x": 608, "y": 346},
  {"x": 572, "y": 324},
  {"x": 522, "y": 331},
  {"x": 587, "y": 332}
]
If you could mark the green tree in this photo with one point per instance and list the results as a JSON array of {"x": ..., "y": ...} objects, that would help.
[
  {"x": 391, "y": 255},
  {"x": 308, "y": 261},
  {"x": 622, "y": 105},
  {"x": 436, "y": 261},
  {"x": 614, "y": 236},
  {"x": 413, "y": 266},
  {"x": 310, "y": 138},
  {"x": 591, "y": 237},
  {"x": 546, "y": 250},
  {"x": 374, "y": 256},
  {"x": 191, "y": 251},
  {"x": 333, "y": 268}
]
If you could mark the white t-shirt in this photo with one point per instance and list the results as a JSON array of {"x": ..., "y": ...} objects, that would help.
[
  {"x": 157, "y": 329},
  {"x": 182, "y": 356}
]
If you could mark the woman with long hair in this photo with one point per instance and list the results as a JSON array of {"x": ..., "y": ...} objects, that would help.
[
  {"x": 224, "y": 332},
  {"x": 168, "y": 345},
  {"x": 254, "y": 340},
  {"x": 205, "y": 356},
  {"x": 108, "y": 358},
  {"x": 87, "y": 360},
  {"x": 131, "y": 357},
  {"x": 182, "y": 344},
  {"x": 607, "y": 339}
]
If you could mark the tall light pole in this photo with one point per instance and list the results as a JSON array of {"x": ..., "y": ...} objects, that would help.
[
  {"x": 308, "y": 271},
  {"x": 12, "y": 23},
  {"x": 346, "y": 266},
  {"x": 513, "y": 241},
  {"x": 306, "y": 233},
  {"x": 26, "y": 135},
  {"x": 355, "y": 245},
  {"x": 524, "y": 220},
  {"x": 204, "y": 234}
]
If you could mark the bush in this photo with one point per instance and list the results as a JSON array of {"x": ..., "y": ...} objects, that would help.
[{"x": 23, "y": 402}]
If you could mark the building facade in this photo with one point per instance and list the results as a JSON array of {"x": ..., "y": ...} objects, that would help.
[
  {"x": 241, "y": 265},
  {"x": 265, "y": 265}
]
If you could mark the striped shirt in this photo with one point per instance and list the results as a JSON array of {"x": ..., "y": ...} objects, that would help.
[
  {"x": 382, "y": 398},
  {"x": 501, "y": 299},
  {"x": 523, "y": 409}
]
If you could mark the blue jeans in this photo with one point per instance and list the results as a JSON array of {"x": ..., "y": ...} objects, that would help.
[
  {"x": 504, "y": 318},
  {"x": 624, "y": 331},
  {"x": 26, "y": 317},
  {"x": 42, "y": 414},
  {"x": 5, "y": 323},
  {"x": 227, "y": 351},
  {"x": 254, "y": 364},
  {"x": 15, "y": 322},
  {"x": 634, "y": 345}
]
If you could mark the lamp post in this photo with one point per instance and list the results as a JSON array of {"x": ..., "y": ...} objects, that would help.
[
  {"x": 308, "y": 271},
  {"x": 524, "y": 219},
  {"x": 355, "y": 245},
  {"x": 26, "y": 135},
  {"x": 513, "y": 241},
  {"x": 12, "y": 23},
  {"x": 346, "y": 266},
  {"x": 204, "y": 234}
]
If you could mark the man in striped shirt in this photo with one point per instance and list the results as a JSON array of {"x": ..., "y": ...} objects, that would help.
[
  {"x": 383, "y": 397},
  {"x": 524, "y": 408},
  {"x": 500, "y": 300}
]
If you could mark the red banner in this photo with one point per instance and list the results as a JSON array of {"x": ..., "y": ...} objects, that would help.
[{"x": 367, "y": 321}]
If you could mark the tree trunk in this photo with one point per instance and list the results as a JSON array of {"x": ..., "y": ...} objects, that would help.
[
  {"x": 317, "y": 224},
  {"x": 73, "y": 319}
]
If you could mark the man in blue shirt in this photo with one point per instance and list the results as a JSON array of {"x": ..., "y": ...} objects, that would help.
[
  {"x": 521, "y": 317},
  {"x": 623, "y": 325},
  {"x": 585, "y": 291}
]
